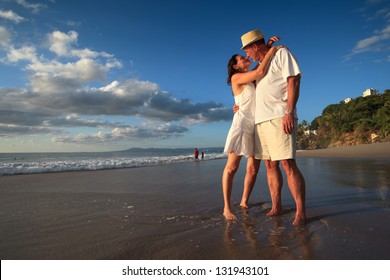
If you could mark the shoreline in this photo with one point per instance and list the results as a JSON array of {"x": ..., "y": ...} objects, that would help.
[{"x": 363, "y": 151}]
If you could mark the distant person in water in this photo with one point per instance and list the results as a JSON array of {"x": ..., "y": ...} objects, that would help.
[
  {"x": 196, "y": 154},
  {"x": 202, "y": 156},
  {"x": 241, "y": 137}
]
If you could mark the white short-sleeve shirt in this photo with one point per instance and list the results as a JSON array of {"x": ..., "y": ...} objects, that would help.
[{"x": 271, "y": 90}]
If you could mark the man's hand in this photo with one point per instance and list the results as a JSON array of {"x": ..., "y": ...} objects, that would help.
[
  {"x": 288, "y": 123},
  {"x": 236, "y": 108}
]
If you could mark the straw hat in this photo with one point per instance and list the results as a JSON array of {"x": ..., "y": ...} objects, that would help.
[{"x": 251, "y": 37}]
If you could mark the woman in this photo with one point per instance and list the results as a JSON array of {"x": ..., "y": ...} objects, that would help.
[{"x": 240, "y": 139}]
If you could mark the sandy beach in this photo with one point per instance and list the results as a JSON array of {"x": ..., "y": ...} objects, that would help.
[
  {"x": 377, "y": 150},
  {"x": 174, "y": 211}
]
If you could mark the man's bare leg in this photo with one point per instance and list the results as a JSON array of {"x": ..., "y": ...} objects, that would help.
[
  {"x": 275, "y": 183},
  {"x": 297, "y": 186}
]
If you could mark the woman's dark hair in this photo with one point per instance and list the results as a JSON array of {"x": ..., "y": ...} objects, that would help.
[{"x": 231, "y": 69}]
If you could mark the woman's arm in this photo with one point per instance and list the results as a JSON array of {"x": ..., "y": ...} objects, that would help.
[{"x": 259, "y": 72}]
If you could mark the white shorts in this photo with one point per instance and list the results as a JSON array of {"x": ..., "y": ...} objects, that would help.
[{"x": 272, "y": 143}]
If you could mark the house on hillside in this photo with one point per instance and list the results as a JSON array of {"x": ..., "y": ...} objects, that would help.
[
  {"x": 310, "y": 132},
  {"x": 307, "y": 131},
  {"x": 347, "y": 100},
  {"x": 369, "y": 92}
]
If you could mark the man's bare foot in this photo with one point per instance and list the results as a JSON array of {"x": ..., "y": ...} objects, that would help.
[
  {"x": 274, "y": 212},
  {"x": 229, "y": 215},
  {"x": 299, "y": 221}
]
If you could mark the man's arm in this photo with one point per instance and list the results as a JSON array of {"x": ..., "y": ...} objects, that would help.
[{"x": 293, "y": 85}]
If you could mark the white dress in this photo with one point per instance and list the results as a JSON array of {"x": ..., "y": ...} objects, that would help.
[{"x": 241, "y": 136}]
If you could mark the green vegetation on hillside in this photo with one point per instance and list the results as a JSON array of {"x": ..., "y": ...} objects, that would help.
[{"x": 362, "y": 120}]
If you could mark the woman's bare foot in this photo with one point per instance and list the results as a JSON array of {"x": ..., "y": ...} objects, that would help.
[
  {"x": 244, "y": 205},
  {"x": 299, "y": 221},
  {"x": 274, "y": 212},
  {"x": 229, "y": 215}
]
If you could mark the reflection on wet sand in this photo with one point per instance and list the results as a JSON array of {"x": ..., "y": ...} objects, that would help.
[{"x": 260, "y": 237}]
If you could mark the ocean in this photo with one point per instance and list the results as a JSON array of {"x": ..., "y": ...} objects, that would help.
[{"x": 27, "y": 163}]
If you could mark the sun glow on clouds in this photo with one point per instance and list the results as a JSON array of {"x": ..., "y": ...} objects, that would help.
[{"x": 59, "y": 96}]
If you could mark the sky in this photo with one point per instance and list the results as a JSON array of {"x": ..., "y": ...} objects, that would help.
[{"x": 88, "y": 76}]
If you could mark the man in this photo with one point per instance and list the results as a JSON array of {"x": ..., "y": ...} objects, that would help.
[{"x": 276, "y": 122}]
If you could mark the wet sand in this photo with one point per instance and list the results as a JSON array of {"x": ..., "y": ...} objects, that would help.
[{"x": 174, "y": 212}]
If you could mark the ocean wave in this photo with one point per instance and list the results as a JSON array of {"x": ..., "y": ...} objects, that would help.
[{"x": 43, "y": 165}]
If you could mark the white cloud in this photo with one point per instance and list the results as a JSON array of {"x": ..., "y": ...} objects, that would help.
[
  {"x": 60, "y": 42},
  {"x": 5, "y": 37},
  {"x": 374, "y": 13},
  {"x": 82, "y": 71},
  {"x": 10, "y": 15},
  {"x": 47, "y": 83},
  {"x": 33, "y": 7},
  {"x": 27, "y": 53},
  {"x": 134, "y": 88},
  {"x": 372, "y": 43},
  {"x": 57, "y": 77},
  {"x": 87, "y": 53}
]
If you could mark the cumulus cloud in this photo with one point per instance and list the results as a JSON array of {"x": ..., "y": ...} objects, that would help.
[
  {"x": 62, "y": 43},
  {"x": 26, "y": 53},
  {"x": 55, "y": 76},
  {"x": 59, "y": 97},
  {"x": 135, "y": 98},
  {"x": 169, "y": 117}
]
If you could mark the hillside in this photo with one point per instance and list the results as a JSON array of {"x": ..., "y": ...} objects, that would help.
[{"x": 361, "y": 121}]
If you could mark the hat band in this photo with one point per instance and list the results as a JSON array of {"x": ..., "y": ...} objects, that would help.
[{"x": 244, "y": 43}]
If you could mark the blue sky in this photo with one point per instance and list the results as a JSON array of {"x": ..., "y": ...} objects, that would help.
[{"x": 110, "y": 75}]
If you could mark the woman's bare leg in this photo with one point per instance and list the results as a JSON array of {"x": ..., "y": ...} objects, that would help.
[
  {"x": 229, "y": 171},
  {"x": 252, "y": 168}
]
